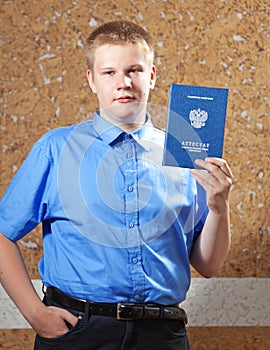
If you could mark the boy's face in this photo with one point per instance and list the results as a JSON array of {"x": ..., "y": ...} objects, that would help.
[{"x": 122, "y": 78}]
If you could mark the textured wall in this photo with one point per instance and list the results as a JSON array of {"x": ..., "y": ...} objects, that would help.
[{"x": 219, "y": 43}]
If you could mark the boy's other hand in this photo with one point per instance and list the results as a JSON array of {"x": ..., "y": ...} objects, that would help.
[{"x": 217, "y": 181}]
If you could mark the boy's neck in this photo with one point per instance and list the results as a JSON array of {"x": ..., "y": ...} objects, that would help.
[{"x": 128, "y": 125}]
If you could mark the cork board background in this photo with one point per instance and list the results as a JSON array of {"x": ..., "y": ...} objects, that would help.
[{"x": 218, "y": 43}]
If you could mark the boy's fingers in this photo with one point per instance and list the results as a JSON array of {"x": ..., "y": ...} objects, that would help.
[{"x": 208, "y": 164}]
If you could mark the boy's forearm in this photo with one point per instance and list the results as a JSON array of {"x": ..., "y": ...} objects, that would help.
[
  {"x": 16, "y": 281},
  {"x": 212, "y": 247}
]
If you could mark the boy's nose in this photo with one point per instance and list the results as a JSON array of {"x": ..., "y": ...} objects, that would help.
[{"x": 124, "y": 82}]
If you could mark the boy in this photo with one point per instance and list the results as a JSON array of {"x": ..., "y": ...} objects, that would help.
[{"x": 119, "y": 230}]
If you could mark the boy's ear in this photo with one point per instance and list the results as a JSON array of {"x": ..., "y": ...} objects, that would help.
[
  {"x": 90, "y": 79},
  {"x": 153, "y": 77}
]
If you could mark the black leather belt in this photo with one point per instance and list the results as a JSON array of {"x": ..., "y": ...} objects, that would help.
[{"x": 122, "y": 311}]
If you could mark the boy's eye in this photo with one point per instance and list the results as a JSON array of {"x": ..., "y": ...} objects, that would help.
[
  {"x": 109, "y": 72},
  {"x": 134, "y": 70}
]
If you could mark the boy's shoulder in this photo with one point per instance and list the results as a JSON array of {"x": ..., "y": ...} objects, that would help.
[
  {"x": 52, "y": 143},
  {"x": 60, "y": 134}
]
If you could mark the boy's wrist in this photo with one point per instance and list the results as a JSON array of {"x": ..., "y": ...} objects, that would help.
[
  {"x": 35, "y": 313},
  {"x": 220, "y": 211}
]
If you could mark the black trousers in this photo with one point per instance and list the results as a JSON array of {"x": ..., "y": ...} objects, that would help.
[{"x": 94, "y": 332}]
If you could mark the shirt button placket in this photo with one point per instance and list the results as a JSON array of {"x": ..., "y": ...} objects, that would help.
[
  {"x": 131, "y": 200},
  {"x": 131, "y": 207}
]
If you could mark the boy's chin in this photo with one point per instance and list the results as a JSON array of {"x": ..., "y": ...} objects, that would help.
[{"x": 126, "y": 111}]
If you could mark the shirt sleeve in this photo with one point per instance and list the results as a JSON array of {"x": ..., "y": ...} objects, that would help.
[{"x": 22, "y": 207}]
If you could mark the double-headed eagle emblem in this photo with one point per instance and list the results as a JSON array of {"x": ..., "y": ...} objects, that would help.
[{"x": 198, "y": 118}]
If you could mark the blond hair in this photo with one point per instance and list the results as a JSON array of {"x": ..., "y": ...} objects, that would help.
[{"x": 117, "y": 33}]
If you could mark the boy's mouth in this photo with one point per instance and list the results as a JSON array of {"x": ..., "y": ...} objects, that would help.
[{"x": 125, "y": 99}]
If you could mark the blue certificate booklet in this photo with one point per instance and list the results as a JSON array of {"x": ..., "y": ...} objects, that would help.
[{"x": 195, "y": 124}]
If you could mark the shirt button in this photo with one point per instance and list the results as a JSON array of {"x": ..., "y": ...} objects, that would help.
[
  {"x": 131, "y": 225},
  {"x": 134, "y": 260},
  {"x": 129, "y": 154},
  {"x": 130, "y": 189}
]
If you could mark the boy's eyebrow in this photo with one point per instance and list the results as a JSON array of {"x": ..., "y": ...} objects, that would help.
[
  {"x": 106, "y": 68},
  {"x": 136, "y": 65},
  {"x": 133, "y": 65}
]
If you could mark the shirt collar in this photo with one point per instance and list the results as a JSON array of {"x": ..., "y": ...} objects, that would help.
[
  {"x": 109, "y": 132},
  {"x": 106, "y": 130}
]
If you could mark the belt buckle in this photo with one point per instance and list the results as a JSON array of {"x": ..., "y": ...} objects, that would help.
[{"x": 129, "y": 311}]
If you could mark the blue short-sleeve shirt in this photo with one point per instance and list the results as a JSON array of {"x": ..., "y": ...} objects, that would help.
[{"x": 117, "y": 225}]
